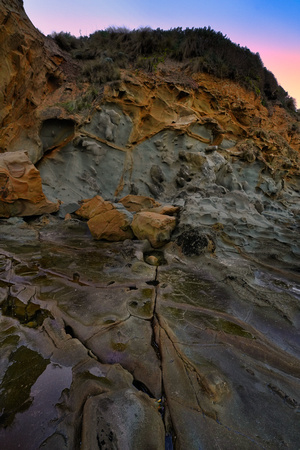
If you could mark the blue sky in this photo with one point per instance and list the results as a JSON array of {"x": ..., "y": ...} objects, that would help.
[{"x": 271, "y": 28}]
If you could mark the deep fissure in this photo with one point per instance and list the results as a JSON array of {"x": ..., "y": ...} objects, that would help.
[{"x": 170, "y": 436}]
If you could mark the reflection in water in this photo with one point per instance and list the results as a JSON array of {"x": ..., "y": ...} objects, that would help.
[
  {"x": 26, "y": 367},
  {"x": 30, "y": 428}
]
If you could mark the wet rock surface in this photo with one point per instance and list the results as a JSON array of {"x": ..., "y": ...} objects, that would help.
[
  {"x": 198, "y": 351},
  {"x": 184, "y": 333}
]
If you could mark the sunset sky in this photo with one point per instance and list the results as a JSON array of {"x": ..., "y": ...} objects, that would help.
[{"x": 269, "y": 27}]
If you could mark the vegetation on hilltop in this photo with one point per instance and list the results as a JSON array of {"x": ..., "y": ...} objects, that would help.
[{"x": 104, "y": 53}]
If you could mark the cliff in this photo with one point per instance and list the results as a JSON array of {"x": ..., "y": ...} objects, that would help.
[{"x": 183, "y": 331}]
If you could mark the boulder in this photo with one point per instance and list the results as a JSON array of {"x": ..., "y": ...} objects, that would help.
[
  {"x": 123, "y": 419},
  {"x": 157, "y": 228},
  {"x": 106, "y": 220},
  {"x": 111, "y": 225},
  {"x": 92, "y": 206},
  {"x": 21, "y": 192}
]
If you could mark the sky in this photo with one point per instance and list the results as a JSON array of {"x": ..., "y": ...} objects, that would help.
[{"x": 269, "y": 27}]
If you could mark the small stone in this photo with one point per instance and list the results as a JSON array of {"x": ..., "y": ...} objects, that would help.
[{"x": 152, "y": 260}]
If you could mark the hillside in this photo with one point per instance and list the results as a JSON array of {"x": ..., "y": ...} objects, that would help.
[
  {"x": 149, "y": 242},
  {"x": 104, "y": 53}
]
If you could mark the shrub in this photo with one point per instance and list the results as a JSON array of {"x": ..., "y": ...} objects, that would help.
[
  {"x": 65, "y": 41},
  {"x": 101, "y": 71},
  {"x": 81, "y": 103},
  {"x": 104, "y": 52}
]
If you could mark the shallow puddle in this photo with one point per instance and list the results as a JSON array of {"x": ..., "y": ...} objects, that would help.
[{"x": 26, "y": 430}]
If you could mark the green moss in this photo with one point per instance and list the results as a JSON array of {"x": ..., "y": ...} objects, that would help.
[
  {"x": 175, "y": 313},
  {"x": 226, "y": 326},
  {"x": 118, "y": 346},
  {"x": 9, "y": 340},
  {"x": 147, "y": 293},
  {"x": 147, "y": 308},
  {"x": 191, "y": 289},
  {"x": 209, "y": 321}
]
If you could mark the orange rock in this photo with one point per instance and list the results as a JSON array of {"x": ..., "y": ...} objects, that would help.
[
  {"x": 31, "y": 74},
  {"x": 105, "y": 220},
  {"x": 136, "y": 203},
  {"x": 166, "y": 210},
  {"x": 93, "y": 206},
  {"x": 21, "y": 192},
  {"x": 157, "y": 228},
  {"x": 111, "y": 225}
]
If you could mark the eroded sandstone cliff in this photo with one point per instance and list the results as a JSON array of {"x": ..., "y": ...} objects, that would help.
[{"x": 186, "y": 339}]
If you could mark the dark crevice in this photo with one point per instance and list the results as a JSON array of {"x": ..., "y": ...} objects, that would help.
[
  {"x": 154, "y": 320},
  {"x": 154, "y": 344},
  {"x": 69, "y": 330},
  {"x": 169, "y": 430},
  {"x": 153, "y": 282},
  {"x": 142, "y": 387},
  {"x": 169, "y": 442},
  {"x": 132, "y": 288}
]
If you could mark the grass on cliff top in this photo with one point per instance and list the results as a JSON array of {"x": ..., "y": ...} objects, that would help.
[{"x": 105, "y": 52}]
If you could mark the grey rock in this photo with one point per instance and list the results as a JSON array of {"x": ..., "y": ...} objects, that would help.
[
  {"x": 156, "y": 174},
  {"x": 67, "y": 208}
]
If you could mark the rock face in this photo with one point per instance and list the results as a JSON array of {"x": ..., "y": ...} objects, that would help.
[
  {"x": 187, "y": 341},
  {"x": 34, "y": 69},
  {"x": 21, "y": 191}
]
